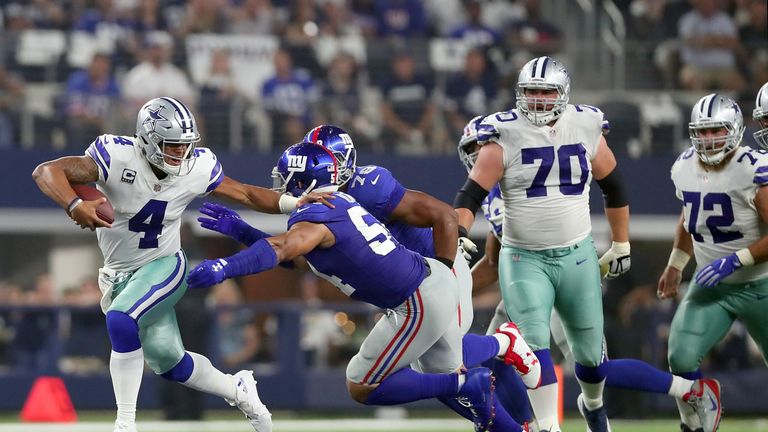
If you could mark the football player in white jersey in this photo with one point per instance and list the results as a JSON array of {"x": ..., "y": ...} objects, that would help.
[
  {"x": 150, "y": 179},
  {"x": 723, "y": 224},
  {"x": 760, "y": 115},
  {"x": 619, "y": 373},
  {"x": 544, "y": 154}
]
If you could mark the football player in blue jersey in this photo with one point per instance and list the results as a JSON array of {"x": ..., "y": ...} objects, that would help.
[
  {"x": 620, "y": 373},
  {"x": 346, "y": 245}
]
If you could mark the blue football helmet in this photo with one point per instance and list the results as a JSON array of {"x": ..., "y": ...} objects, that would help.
[
  {"x": 467, "y": 149},
  {"x": 339, "y": 143},
  {"x": 306, "y": 167},
  {"x": 710, "y": 112},
  {"x": 760, "y": 115}
]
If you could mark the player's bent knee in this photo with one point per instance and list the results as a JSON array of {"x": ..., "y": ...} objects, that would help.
[
  {"x": 123, "y": 332},
  {"x": 683, "y": 359},
  {"x": 359, "y": 392}
]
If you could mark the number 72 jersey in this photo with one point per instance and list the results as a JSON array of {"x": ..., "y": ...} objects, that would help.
[
  {"x": 718, "y": 206},
  {"x": 148, "y": 211}
]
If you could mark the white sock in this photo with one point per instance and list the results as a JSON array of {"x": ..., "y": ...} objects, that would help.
[
  {"x": 207, "y": 378},
  {"x": 592, "y": 394},
  {"x": 680, "y": 386},
  {"x": 126, "y": 370},
  {"x": 688, "y": 414},
  {"x": 504, "y": 342},
  {"x": 544, "y": 403}
]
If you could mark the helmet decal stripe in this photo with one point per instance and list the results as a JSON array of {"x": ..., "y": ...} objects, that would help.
[
  {"x": 335, "y": 164},
  {"x": 711, "y": 103},
  {"x": 544, "y": 66},
  {"x": 183, "y": 119},
  {"x": 533, "y": 69},
  {"x": 316, "y": 133}
]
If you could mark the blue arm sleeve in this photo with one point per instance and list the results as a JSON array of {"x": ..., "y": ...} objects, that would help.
[{"x": 256, "y": 259}]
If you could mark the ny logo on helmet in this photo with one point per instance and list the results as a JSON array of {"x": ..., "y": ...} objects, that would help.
[{"x": 297, "y": 163}]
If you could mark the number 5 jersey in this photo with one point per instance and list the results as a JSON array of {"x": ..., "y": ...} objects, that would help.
[
  {"x": 719, "y": 206},
  {"x": 147, "y": 209}
]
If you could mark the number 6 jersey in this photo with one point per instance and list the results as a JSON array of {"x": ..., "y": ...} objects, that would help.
[
  {"x": 719, "y": 208},
  {"x": 147, "y": 210},
  {"x": 547, "y": 172}
]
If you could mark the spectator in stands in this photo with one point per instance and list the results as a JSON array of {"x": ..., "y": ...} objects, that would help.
[
  {"x": 216, "y": 97},
  {"x": 253, "y": 17},
  {"x": 87, "y": 347},
  {"x": 289, "y": 98},
  {"x": 300, "y": 35},
  {"x": 35, "y": 329},
  {"x": 149, "y": 16},
  {"x": 754, "y": 37},
  {"x": 11, "y": 98},
  {"x": 645, "y": 21},
  {"x": 114, "y": 26},
  {"x": 90, "y": 97},
  {"x": 535, "y": 36},
  {"x": 404, "y": 18},
  {"x": 407, "y": 109},
  {"x": 342, "y": 100},
  {"x": 238, "y": 337},
  {"x": 156, "y": 76},
  {"x": 710, "y": 41},
  {"x": 40, "y": 14},
  {"x": 473, "y": 31},
  {"x": 472, "y": 93},
  {"x": 204, "y": 16}
]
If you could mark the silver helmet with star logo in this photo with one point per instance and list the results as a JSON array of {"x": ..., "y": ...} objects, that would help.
[{"x": 167, "y": 134}]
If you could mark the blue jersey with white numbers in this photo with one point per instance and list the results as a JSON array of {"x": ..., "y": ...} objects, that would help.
[
  {"x": 379, "y": 192},
  {"x": 493, "y": 210},
  {"x": 366, "y": 262}
]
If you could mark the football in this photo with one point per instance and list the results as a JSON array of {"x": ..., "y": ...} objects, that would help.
[{"x": 90, "y": 193}]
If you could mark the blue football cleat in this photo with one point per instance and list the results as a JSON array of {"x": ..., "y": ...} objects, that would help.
[
  {"x": 597, "y": 420},
  {"x": 477, "y": 394}
]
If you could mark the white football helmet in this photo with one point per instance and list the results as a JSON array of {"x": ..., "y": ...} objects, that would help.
[
  {"x": 715, "y": 111},
  {"x": 468, "y": 155},
  {"x": 760, "y": 114},
  {"x": 162, "y": 122},
  {"x": 543, "y": 73}
]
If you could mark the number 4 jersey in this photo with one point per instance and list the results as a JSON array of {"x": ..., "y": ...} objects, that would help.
[
  {"x": 147, "y": 210},
  {"x": 719, "y": 206},
  {"x": 547, "y": 172}
]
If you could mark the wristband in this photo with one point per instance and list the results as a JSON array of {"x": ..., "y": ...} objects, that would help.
[
  {"x": 73, "y": 205},
  {"x": 678, "y": 259},
  {"x": 745, "y": 256},
  {"x": 287, "y": 203}
]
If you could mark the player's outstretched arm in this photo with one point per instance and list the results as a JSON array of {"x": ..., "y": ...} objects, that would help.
[
  {"x": 682, "y": 249},
  {"x": 423, "y": 210},
  {"x": 486, "y": 271},
  {"x": 616, "y": 260},
  {"x": 254, "y": 197},
  {"x": 263, "y": 255},
  {"x": 54, "y": 179}
]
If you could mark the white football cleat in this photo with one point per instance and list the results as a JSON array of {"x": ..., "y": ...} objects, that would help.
[
  {"x": 704, "y": 397},
  {"x": 124, "y": 427},
  {"x": 247, "y": 400}
]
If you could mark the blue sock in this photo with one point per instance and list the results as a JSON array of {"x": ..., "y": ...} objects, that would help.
[
  {"x": 548, "y": 375},
  {"x": 182, "y": 371},
  {"x": 458, "y": 408},
  {"x": 123, "y": 332},
  {"x": 502, "y": 422},
  {"x": 511, "y": 391},
  {"x": 636, "y": 375},
  {"x": 407, "y": 385},
  {"x": 478, "y": 349},
  {"x": 693, "y": 376},
  {"x": 590, "y": 374}
]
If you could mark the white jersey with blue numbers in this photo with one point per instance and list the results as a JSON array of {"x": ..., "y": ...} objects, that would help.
[
  {"x": 147, "y": 210},
  {"x": 493, "y": 210},
  {"x": 719, "y": 206},
  {"x": 547, "y": 172}
]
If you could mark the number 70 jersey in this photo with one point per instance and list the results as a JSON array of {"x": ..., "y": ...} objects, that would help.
[
  {"x": 718, "y": 206},
  {"x": 148, "y": 210},
  {"x": 547, "y": 171}
]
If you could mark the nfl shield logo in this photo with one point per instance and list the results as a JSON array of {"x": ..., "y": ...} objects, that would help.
[
  {"x": 157, "y": 188},
  {"x": 516, "y": 257}
]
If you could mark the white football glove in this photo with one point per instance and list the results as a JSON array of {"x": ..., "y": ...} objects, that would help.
[
  {"x": 615, "y": 261},
  {"x": 467, "y": 248}
]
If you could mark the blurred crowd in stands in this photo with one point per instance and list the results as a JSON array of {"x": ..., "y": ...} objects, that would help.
[{"x": 400, "y": 75}]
